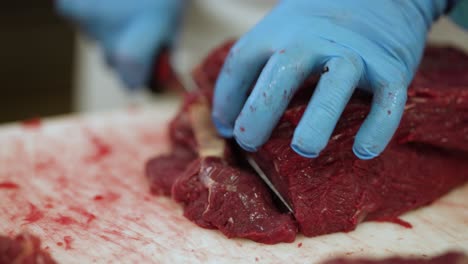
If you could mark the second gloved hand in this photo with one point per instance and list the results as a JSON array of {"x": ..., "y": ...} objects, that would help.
[
  {"x": 376, "y": 45},
  {"x": 131, "y": 32}
]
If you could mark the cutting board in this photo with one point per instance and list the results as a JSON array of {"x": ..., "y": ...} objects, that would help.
[{"x": 78, "y": 184}]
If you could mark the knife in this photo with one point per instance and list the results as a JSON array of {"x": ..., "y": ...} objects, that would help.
[
  {"x": 165, "y": 73},
  {"x": 262, "y": 175}
]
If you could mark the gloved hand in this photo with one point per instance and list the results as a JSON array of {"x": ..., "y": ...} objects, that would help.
[
  {"x": 131, "y": 32},
  {"x": 374, "y": 44}
]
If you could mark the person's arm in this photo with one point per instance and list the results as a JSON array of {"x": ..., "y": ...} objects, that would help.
[
  {"x": 374, "y": 45},
  {"x": 131, "y": 32}
]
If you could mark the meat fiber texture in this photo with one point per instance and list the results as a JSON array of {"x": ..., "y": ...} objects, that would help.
[{"x": 336, "y": 191}]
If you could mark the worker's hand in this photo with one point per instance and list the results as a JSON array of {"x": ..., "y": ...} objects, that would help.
[
  {"x": 375, "y": 45},
  {"x": 131, "y": 32}
]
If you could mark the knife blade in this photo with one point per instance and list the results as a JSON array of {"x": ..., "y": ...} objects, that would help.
[{"x": 262, "y": 175}]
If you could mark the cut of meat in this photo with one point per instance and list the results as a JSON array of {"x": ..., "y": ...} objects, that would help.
[
  {"x": 170, "y": 166},
  {"x": 216, "y": 192},
  {"x": 426, "y": 158},
  {"x": 336, "y": 191},
  {"x": 448, "y": 258},
  {"x": 232, "y": 200},
  {"x": 162, "y": 171},
  {"x": 23, "y": 249}
]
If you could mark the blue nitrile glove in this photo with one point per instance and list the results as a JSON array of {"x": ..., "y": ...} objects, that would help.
[
  {"x": 131, "y": 32},
  {"x": 374, "y": 44}
]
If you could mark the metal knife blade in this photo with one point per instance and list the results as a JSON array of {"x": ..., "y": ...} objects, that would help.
[
  {"x": 187, "y": 81},
  {"x": 262, "y": 175}
]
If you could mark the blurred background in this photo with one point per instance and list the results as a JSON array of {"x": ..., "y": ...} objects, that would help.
[
  {"x": 36, "y": 61},
  {"x": 48, "y": 69}
]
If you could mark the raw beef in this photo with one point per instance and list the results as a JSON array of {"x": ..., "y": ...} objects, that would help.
[
  {"x": 235, "y": 201},
  {"x": 23, "y": 249},
  {"x": 448, "y": 258},
  {"x": 336, "y": 191},
  {"x": 216, "y": 190}
]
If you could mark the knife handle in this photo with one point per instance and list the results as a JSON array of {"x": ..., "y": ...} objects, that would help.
[{"x": 163, "y": 78}]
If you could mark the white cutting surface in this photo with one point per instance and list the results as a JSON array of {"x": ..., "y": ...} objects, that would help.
[{"x": 90, "y": 208}]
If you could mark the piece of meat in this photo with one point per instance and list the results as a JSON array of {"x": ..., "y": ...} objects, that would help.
[
  {"x": 442, "y": 66},
  {"x": 424, "y": 161},
  {"x": 448, "y": 258},
  {"x": 163, "y": 171},
  {"x": 23, "y": 249},
  {"x": 202, "y": 173},
  {"x": 232, "y": 200},
  {"x": 336, "y": 191},
  {"x": 206, "y": 73}
]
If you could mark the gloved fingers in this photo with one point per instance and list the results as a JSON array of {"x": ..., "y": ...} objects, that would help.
[
  {"x": 136, "y": 47},
  {"x": 377, "y": 130},
  {"x": 239, "y": 72},
  {"x": 335, "y": 88},
  {"x": 285, "y": 71}
]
